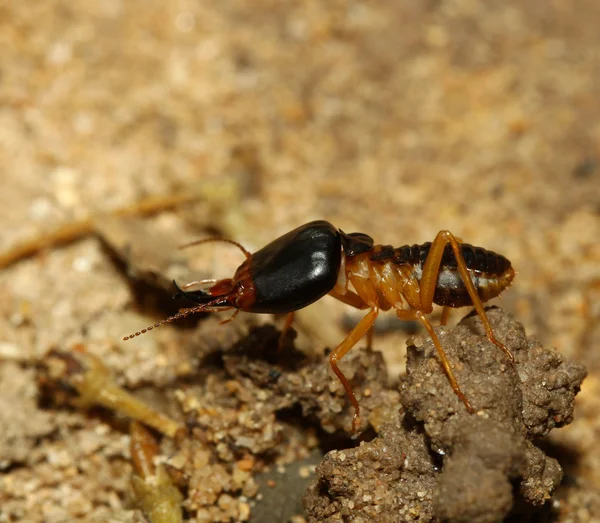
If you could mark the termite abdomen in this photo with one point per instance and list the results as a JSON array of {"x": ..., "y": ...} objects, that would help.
[
  {"x": 490, "y": 273},
  {"x": 476, "y": 258}
]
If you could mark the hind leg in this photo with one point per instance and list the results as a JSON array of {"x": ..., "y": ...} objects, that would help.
[
  {"x": 429, "y": 278},
  {"x": 411, "y": 315}
]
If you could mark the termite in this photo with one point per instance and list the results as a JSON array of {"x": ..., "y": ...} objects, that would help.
[{"x": 316, "y": 259}]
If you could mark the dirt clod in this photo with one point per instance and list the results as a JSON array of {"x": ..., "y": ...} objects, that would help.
[
  {"x": 388, "y": 479},
  {"x": 469, "y": 463}
]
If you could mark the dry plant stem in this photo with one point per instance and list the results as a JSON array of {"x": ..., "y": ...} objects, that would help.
[
  {"x": 73, "y": 231},
  {"x": 97, "y": 387},
  {"x": 153, "y": 490}
]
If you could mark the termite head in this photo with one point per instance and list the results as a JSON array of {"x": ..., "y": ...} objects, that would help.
[{"x": 288, "y": 274}]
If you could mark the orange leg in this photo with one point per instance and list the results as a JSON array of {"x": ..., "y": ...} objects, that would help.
[
  {"x": 285, "y": 327},
  {"x": 350, "y": 298},
  {"x": 354, "y": 300},
  {"x": 411, "y": 315},
  {"x": 370, "y": 334},
  {"x": 361, "y": 328},
  {"x": 231, "y": 318},
  {"x": 429, "y": 278}
]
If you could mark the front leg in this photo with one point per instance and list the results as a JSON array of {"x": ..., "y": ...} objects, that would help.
[
  {"x": 429, "y": 278},
  {"x": 350, "y": 298},
  {"x": 354, "y": 300},
  {"x": 287, "y": 323},
  {"x": 362, "y": 327}
]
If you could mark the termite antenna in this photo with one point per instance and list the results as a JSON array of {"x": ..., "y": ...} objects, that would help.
[
  {"x": 181, "y": 314},
  {"x": 225, "y": 240},
  {"x": 184, "y": 313}
]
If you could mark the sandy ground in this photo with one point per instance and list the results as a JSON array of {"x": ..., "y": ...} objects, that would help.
[{"x": 396, "y": 119}]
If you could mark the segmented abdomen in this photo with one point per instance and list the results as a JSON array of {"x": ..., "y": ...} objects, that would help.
[{"x": 490, "y": 272}]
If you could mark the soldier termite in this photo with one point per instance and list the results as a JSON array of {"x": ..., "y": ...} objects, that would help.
[{"x": 315, "y": 259}]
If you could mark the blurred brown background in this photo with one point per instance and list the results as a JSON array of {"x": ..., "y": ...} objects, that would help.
[{"x": 394, "y": 118}]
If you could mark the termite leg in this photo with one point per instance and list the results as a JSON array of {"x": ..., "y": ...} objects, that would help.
[
  {"x": 361, "y": 328},
  {"x": 354, "y": 300},
  {"x": 412, "y": 315},
  {"x": 350, "y": 298},
  {"x": 445, "y": 315},
  {"x": 231, "y": 318},
  {"x": 287, "y": 323},
  {"x": 370, "y": 337},
  {"x": 429, "y": 278}
]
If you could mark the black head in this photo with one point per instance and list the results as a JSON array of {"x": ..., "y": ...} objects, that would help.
[
  {"x": 290, "y": 273},
  {"x": 295, "y": 270}
]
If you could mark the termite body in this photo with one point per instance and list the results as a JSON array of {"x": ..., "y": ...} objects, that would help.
[{"x": 316, "y": 259}]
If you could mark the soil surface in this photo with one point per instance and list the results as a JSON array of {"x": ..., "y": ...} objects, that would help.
[
  {"x": 438, "y": 462},
  {"x": 130, "y": 128}
]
